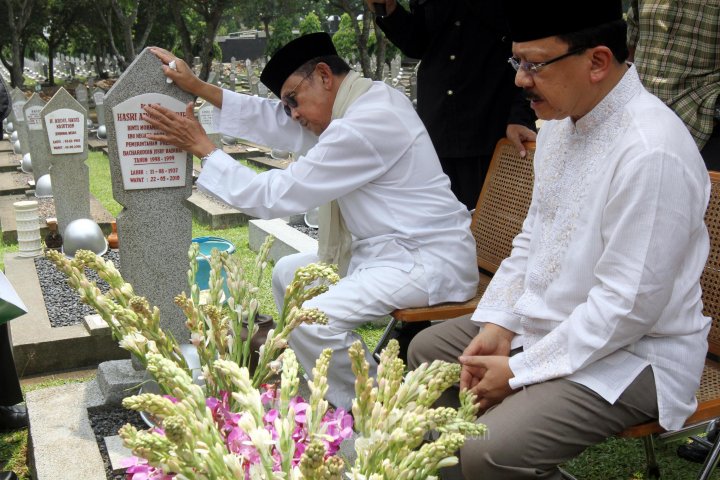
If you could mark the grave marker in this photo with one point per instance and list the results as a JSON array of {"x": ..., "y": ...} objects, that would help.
[
  {"x": 99, "y": 98},
  {"x": 64, "y": 120},
  {"x": 205, "y": 117},
  {"x": 19, "y": 100},
  {"x": 36, "y": 137},
  {"x": 152, "y": 181},
  {"x": 81, "y": 94}
]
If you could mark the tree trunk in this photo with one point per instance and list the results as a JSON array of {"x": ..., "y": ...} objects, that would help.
[
  {"x": 380, "y": 49},
  {"x": 51, "y": 67},
  {"x": 17, "y": 26},
  {"x": 185, "y": 40}
]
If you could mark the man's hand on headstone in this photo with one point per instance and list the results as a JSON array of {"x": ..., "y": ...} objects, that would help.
[
  {"x": 184, "y": 132},
  {"x": 494, "y": 375},
  {"x": 179, "y": 72}
]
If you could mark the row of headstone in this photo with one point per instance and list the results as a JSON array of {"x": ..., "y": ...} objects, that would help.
[{"x": 54, "y": 137}]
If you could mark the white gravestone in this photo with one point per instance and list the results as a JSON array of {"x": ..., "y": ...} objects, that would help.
[
  {"x": 99, "y": 98},
  {"x": 65, "y": 123},
  {"x": 19, "y": 101},
  {"x": 205, "y": 117},
  {"x": 36, "y": 137}
]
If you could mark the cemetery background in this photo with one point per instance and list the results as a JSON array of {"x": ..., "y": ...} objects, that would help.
[
  {"x": 614, "y": 459},
  {"x": 280, "y": 20}
]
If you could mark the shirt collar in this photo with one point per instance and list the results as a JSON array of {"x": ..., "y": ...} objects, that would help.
[{"x": 627, "y": 87}]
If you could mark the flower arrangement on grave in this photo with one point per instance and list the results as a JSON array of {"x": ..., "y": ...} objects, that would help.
[{"x": 252, "y": 424}]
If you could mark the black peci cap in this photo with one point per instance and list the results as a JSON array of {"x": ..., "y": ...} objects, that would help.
[
  {"x": 533, "y": 20},
  {"x": 292, "y": 56}
]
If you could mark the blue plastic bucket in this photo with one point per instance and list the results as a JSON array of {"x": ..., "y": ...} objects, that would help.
[{"x": 206, "y": 246}]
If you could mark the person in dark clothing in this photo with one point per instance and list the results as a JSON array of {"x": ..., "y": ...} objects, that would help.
[
  {"x": 12, "y": 415},
  {"x": 466, "y": 92}
]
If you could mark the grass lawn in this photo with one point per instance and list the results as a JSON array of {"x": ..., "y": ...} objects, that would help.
[{"x": 614, "y": 459}]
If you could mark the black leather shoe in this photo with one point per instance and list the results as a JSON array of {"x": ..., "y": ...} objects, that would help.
[
  {"x": 8, "y": 476},
  {"x": 14, "y": 417}
]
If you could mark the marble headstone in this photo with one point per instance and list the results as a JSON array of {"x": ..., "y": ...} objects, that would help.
[
  {"x": 98, "y": 97},
  {"x": 19, "y": 100},
  {"x": 205, "y": 117},
  {"x": 65, "y": 123},
  {"x": 81, "y": 94},
  {"x": 152, "y": 181},
  {"x": 39, "y": 152}
]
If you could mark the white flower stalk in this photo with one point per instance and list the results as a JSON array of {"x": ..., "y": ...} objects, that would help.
[
  {"x": 314, "y": 465},
  {"x": 289, "y": 381},
  {"x": 394, "y": 417},
  {"x": 276, "y": 341},
  {"x": 191, "y": 434},
  {"x": 318, "y": 389},
  {"x": 300, "y": 289}
]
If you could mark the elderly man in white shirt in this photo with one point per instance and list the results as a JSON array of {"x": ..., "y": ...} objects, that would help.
[
  {"x": 362, "y": 145},
  {"x": 594, "y": 323}
]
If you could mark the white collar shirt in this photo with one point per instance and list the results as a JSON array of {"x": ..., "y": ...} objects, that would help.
[{"x": 604, "y": 278}]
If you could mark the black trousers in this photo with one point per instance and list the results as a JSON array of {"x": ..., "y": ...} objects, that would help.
[
  {"x": 10, "y": 391},
  {"x": 467, "y": 175}
]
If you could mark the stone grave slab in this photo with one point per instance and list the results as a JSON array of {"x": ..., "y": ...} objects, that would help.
[
  {"x": 287, "y": 239},
  {"x": 98, "y": 213},
  {"x": 64, "y": 119},
  {"x": 151, "y": 181},
  {"x": 97, "y": 144},
  {"x": 62, "y": 443},
  {"x": 213, "y": 212},
  {"x": 40, "y": 348},
  {"x": 117, "y": 452},
  {"x": 14, "y": 183},
  {"x": 267, "y": 161},
  {"x": 9, "y": 162}
]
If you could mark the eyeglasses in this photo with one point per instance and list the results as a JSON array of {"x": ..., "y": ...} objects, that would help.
[
  {"x": 289, "y": 101},
  {"x": 532, "y": 67}
]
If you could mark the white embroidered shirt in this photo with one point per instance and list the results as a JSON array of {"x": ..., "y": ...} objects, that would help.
[{"x": 604, "y": 278}]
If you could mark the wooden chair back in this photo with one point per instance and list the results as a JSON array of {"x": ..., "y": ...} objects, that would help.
[{"x": 503, "y": 204}]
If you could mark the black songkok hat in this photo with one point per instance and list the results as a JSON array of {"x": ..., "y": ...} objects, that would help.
[
  {"x": 532, "y": 19},
  {"x": 292, "y": 56}
]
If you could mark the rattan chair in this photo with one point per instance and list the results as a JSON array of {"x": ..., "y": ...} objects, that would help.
[{"x": 498, "y": 217}]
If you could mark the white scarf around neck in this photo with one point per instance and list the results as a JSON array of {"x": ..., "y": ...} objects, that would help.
[{"x": 334, "y": 239}]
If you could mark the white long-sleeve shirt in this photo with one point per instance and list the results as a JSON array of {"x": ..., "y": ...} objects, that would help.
[
  {"x": 378, "y": 162},
  {"x": 603, "y": 280}
]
